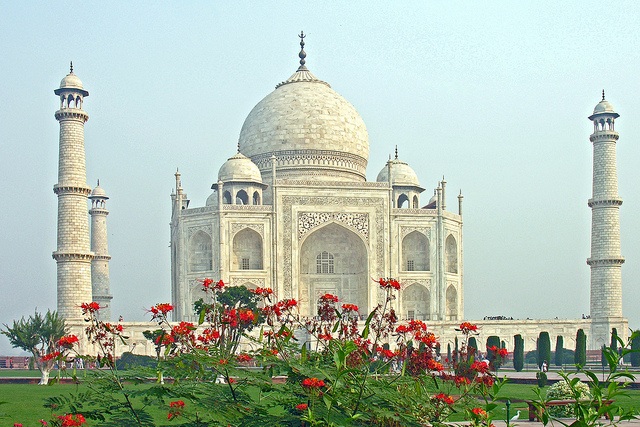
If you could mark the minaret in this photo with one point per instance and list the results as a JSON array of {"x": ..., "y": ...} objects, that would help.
[
  {"x": 73, "y": 255},
  {"x": 100, "y": 264},
  {"x": 605, "y": 260}
]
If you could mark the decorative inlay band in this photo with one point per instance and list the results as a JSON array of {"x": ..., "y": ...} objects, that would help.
[
  {"x": 203, "y": 228},
  {"x": 71, "y": 189},
  {"x": 605, "y": 261},
  {"x": 235, "y": 227},
  {"x": 406, "y": 230},
  {"x": 359, "y": 222},
  {"x": 72, "y": 256},
  {"x": 605, "y": 202}
]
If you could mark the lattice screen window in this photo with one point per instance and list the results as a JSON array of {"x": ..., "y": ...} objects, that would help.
[{"x": 324, "y": 263}]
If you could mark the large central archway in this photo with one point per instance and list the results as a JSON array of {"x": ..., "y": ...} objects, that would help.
[{"x": 333, "y": 260}]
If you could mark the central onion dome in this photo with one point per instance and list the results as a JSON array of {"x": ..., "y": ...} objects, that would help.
[{"x": 313, "y": 132}]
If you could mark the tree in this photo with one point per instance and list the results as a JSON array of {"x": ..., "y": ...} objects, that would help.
[
  {"x": 614, "y": 339},
  {"x": 544, "y": 348},
  {"x": 456, "y": 351},
  {"x": 39, "y": 335},
  {"x": 518, "y": 353},
  {"x": 559, "y": 356},
  {"x": 449, "y": 352},
  {"x": 492, "y": 341},
  {"x": 580, "y": 357},
  {"x": 472, "y": 347},
  {"x": 635, "y": 354}
]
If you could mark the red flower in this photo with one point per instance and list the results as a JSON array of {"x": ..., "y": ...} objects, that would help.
[
  {"x": 90, "y": 307},
  {"x": 246, "y": 315},
  {"x": 445, "y": 398},
  {"x": 467, "y": 327},
  {"x": 302, "y": 407},
  {"x": 325, "y": 337},
  {"x": 350, "y": 307},
  {"x": 243, "y": 357},
  {"x": 177, "y": 404},
  {"x": 312, "y": 383},
  {"x": 503, "y": 352},
  {"x": 479, "y": 412},
  {"x": 388, "y": 283},
  {"x": 219, "y": 285},
  {"x": 328, "y": 298},
  {"x": 50, "y": 356},
  {"x": 70, "y": 420},
  {"x": 17, "y": 424},
  {"x": 232, "y": 381},
  {"x": 223, "y": 361},
  {"x": 459, "y": 381},
  {"x": 67, "y": 341},
  {"x": 265, "y": 292},
  {"x": 480, "y": 367},
  {"x": 433, "y": 365},
  {"x": 164, "y": 339},
  {"x": 161, "y": 309},
  {"x": 43, "y": 422}
]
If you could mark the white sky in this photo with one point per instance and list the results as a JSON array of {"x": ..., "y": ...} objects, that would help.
[{"x": 493, "y": 95}]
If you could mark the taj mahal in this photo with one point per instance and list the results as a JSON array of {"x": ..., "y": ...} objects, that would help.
[{"x": 292, "y": 210}]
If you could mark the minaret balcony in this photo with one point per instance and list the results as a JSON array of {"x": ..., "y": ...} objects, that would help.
[{"x": 611, "y": 201}]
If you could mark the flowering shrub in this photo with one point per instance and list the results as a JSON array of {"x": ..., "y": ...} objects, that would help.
[
  {"x": 562, "y": 390},
  {"x": 337, "y": 369}
]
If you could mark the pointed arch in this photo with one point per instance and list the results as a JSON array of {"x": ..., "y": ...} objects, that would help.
[
  {"x": 226, "y": 198},
  {"x": 451, "y": 254},
  {"x": 416, "y": 204},
  {"x": 242, "y": 198},
  {"x": 256, "y": 198},
  {"x": 451, "y": 303},
  {"x": 247, "y": 250},
  {"x": 416, "y": 302},
  {"x": 403, "y": 201},
  {"x": 200, "y": 253},
  {"x": 333, "y": 245},
  {"x": 415, "y": 252}
]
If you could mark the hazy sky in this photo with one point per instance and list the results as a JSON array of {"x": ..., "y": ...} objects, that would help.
[{"x": 493, "y": 95}]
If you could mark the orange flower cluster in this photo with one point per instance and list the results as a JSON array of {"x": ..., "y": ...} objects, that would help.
[
  {"x": 311, "y": 383},
  {"x": 328, "y": 298},
  {"x": 70, "y": 420},
  {"x": 302, "y": 407},
  {"x": 479, "y": 412},
  {"x": 50, "y": 356},
  {"x": 175, "y": 409},
  {"x": 243, "y": 357},
  {"x": 444, "y": 398},
  {"x": 161, "y": 309},
  {"x": 502, "y": 352},
  {"x": 233, "y": 317},
  {"x": 350, "y": 307},
  {"x": 467, "y": 327},
  {"x": 68, "y": 341},
  {"x": 264, "y": 292},
  {"x": 388, "y": 283},
  {"x": 207, "y": 285},
  {"x": 89, "y": 307}
]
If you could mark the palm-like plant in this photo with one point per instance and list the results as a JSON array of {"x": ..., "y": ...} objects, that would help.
[{"x": 39, "y": 335}]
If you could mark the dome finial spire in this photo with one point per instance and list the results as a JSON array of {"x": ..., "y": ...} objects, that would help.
[
  {"x": 396, "y": 152},
  {"x": 238, "y": 146},
  {"x": 603, "y": 94},
  {"x": 302, "y": 53},
  {"x": 71, "y": 68}
]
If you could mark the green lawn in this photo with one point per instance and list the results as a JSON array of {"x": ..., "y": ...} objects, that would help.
[{"x": 24, "y": 402}]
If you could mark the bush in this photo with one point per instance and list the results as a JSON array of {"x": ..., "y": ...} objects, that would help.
[
  {"x": 544, "y": 348},
  {"x": 562, "y": 391},
  {"x": 635, "y": 354},
  {"x": 580, "y": 356},
  {"x": 542, "y": 379},
  {"x": 129, "y": 360},
  {"x": 559, "y": 356},
  {"x": 518, "y": 353}
]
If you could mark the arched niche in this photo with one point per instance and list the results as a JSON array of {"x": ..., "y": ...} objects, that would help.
[
  {"x": 403, "y": 201},
  {"x": 348, "y": 279},
  {"x": 200, "y": 254},
  {"x": 226, "y": 198},
  {"x": 416, "y": 302},
  {"x": 415, "y": 252},
  {"x": 451, "y": 303},
  {"x": 247, "y": 250},
  {"x": 242, "y": 198},
  {"x": 451, "y": 254}
]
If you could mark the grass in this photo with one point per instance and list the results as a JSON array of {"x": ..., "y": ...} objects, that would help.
[{"x": 23, "y": 403}]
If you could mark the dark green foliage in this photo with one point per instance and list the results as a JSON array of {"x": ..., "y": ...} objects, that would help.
[
  {"x": 492, "y": 341},
  {"x": 544, "y": 348},
  {"x": 614, "y": 340},
  {"x": 542, "y": 379},
  {"x": 559, "y": 354},
  {"x": 518, "y": 353},
  {"x": 449, "y": 351},
  {"x": 580, "y": 357},
  {"x": 457, "y": 351},
  {"x": 129, "y": 360},
  {"x": 603, "y": 358},
  {"x": 531, "y": 356},
  {"x": 635, "y": 354}
]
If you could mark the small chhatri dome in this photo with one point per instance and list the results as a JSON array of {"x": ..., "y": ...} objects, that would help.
[
  {"x": 603, "y": 107},
  {"x": 71, "y": 82},
  {"x": 239, "y": 168},
  {"x": 401, "y": 174},
  {"x": 312, "y": 131},
  {"x": 98, "y": 193}
]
